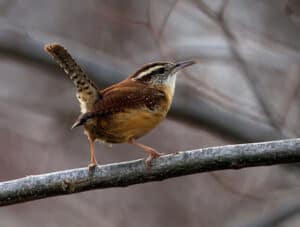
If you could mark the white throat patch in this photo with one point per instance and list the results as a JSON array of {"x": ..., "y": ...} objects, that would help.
[{"x": 171, "y": 82}]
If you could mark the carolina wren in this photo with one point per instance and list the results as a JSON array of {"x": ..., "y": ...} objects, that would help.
[{"x": 124, "y": 111}]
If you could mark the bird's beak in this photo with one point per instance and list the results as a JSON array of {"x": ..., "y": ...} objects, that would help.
[{"x": 183, "y": 64}]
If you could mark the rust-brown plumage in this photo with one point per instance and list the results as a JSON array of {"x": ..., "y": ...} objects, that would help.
[{"x": 125, "y": 111}]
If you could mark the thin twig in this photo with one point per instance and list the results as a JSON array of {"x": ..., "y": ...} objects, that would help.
[
  {"x": 166, "y": 19},
  {"x": 135, "y": 172},
  {"x": 219, "y": 19},
  {"x": 293, "y": 94}
]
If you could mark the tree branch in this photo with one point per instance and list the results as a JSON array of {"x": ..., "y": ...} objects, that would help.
[{"x": 134, "y": 172}]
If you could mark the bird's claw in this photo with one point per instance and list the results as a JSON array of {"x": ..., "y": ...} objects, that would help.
[
  {"x": 92, "y": 166},
  {"x": 148, "y": 160}
]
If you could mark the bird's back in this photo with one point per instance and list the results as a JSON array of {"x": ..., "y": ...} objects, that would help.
[{"x": 127, "y": 110}]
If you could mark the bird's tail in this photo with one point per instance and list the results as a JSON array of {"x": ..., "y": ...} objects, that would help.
[
  {"x": 87, "y": 92},
  {"x": 83, "y": 118}
]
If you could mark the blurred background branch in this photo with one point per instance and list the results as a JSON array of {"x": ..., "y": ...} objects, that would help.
[
  {"x": 105, "y": 71},
  {"x": 244, "y": 88}
]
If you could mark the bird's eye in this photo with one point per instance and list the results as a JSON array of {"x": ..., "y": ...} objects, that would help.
[{"x": 161, "y": 71}]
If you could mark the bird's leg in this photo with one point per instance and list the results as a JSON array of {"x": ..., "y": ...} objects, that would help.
[
  {"x": 93, "y": 157},
  {"x": 152, "y": 152}
]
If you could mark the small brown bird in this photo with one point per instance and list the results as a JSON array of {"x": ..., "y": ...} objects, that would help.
[{"x": 124, "y": 111}]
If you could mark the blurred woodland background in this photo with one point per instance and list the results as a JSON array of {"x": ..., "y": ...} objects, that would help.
[{"x": 245, "y": 88}]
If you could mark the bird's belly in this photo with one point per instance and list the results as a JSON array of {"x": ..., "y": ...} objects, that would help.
[{"x": 123, "y": 126}]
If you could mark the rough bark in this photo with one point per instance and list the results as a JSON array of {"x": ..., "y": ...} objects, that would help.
[{"x": 135, "y": 172}]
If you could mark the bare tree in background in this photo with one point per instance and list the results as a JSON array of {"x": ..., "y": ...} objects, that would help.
[{"x": 244, "y": 88}]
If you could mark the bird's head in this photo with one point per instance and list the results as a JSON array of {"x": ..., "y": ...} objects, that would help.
[{"x": 160, "y": 73}]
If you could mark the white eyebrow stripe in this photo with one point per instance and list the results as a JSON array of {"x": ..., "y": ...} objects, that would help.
[{"x": 148, "y": 71}]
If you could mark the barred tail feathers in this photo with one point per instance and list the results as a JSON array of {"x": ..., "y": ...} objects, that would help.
[{"x": 87, "y": 92}]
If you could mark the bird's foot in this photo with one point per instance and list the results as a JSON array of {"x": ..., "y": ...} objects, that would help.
[
  {"x": 153, "y": 155},
  {"x": 92, "y": 166}
]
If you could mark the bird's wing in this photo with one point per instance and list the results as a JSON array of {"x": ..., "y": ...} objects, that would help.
[
  {"x": 119, "y": 98},
  {"x": 87, "y": 92}
]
